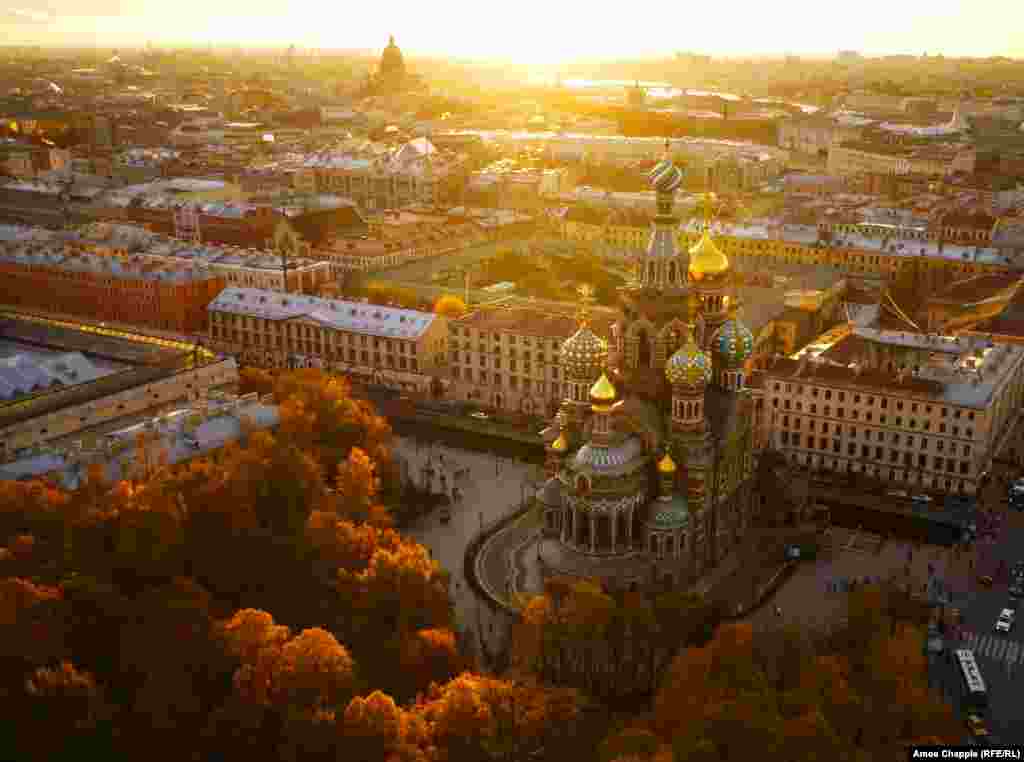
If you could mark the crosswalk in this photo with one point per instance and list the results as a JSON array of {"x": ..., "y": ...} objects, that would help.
[{"x": 995, "y": 647}]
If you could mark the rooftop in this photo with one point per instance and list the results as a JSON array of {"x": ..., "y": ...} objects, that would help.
[
  {"x": 60, "y": 255},
  {"x": 25, "y": 373},
  {"x": 962, "y": 380},
  {"x": 524, "y": 321},
  {"x": 370, "y": 319},
  {"x": 184, "y": 433}
]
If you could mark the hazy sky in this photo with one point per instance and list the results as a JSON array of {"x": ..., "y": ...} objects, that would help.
[{"x": 537, "y": 30}]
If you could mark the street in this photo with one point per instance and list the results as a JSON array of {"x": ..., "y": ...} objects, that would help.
[
  {"x": 492, "y": 487},
  {"x": 999, "y": 657}
]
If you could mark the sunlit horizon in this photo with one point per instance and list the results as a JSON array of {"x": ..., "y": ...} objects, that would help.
[{"x": 533, "y": 32}]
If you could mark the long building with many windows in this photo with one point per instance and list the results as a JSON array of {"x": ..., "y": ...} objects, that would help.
[
  {"x": 757, "y": 244},
  {"x": 507, "y": 358},
  {"x": 405, "y": 348},
  {"x": 53, "y": 276},
  {"x": 926, "y": 409}
]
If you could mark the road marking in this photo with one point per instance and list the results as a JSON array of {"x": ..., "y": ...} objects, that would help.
[
  {"x": 1000, "y": 649},
  {"x": 984, "y": 645}
]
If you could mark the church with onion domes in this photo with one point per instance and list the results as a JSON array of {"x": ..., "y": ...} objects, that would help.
[{"x": 650, "y": 457}]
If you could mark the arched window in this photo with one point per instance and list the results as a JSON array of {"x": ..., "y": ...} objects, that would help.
[
  {"x": 672, "y": 272},
  {"x": 582, "y": 485},
  {"x": 643, "y": 350},
  {"x": 650, "y": 271}
]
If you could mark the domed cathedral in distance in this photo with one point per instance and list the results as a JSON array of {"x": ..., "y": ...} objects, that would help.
[
  {"x": 649, "y": 459},
  {"x": 391, "y": 76}
]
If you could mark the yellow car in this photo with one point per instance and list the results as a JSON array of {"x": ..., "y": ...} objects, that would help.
[{"x": 976, "y": 726}]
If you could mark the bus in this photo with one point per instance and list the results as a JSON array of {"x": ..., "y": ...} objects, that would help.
[{"x": 975, "y": 694}]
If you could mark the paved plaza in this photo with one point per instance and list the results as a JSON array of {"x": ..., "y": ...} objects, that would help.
[
  {"x": 816, "y": 593},
  {"x": 491, "y": 488}
]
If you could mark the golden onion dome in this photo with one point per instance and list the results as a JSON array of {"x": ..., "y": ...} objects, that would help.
[
  {"x": 706, "y": 259},
  {"x": 602, "y": 392},
  {"x": 666, "y": 465},
  {"x": 689, "y": 365},
  {"x": 583, "y": 355},
  {"x": 560, "y": 445}
]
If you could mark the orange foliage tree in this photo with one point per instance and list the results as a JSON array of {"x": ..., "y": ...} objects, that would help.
[
  {"x": 450, "y": 306},
  {"x": 789, "y": 696}
]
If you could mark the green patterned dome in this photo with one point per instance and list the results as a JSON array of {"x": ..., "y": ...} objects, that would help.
[
  {"x": 671, "y": 514},
  {"x": 584, "y": 355},
  {"x": 689, "y": 365},
  {"x": 732, "y": 344}
]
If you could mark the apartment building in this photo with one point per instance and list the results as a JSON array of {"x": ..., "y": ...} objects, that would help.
[
  {"x": 507, "y": 358},
  {"x": 935, "y": 160},
  {"x": 934, "y": 426},
  {"x": 51, "y": 276},
  {"x": 849, "y": 247},
  {"x": 238, "y": 266},
  {"x": 405, "y": 348}
]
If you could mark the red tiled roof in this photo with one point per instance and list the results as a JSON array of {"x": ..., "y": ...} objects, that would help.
[{"x": 528, "y": 322}]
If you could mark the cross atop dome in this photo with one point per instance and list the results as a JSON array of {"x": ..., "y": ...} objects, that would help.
[{"x": 586, "y": 298}]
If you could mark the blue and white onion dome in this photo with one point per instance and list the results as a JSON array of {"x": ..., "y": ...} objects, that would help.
[
  {"x": 666, "y": 177},
  {"x": 690, "y": 365},
  {"x": 732, "y": 344},
  {"x": 584, "y": 355}
]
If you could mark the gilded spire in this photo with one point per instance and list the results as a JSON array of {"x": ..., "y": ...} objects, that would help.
[
  {"x": 586, "y": 293},
  {"x": 708, "y": 209},
  {"x": 666, "y": 465}
]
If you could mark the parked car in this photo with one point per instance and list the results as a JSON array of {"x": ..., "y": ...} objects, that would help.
[
  {"x": 896, "y": 493},
  {"x": 1016, "y": 589},
  {"x": 976, "y": 726},
  {"x": 986, "y": 581},
  {"x": 921, "y": 498},
  {"x": 1005, "y": 621}
]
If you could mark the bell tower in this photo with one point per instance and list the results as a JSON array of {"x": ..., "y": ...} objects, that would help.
[{"x": 661, "y": 266}]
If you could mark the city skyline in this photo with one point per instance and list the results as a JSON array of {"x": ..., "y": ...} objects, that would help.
[{"x": 556, "y": 34}]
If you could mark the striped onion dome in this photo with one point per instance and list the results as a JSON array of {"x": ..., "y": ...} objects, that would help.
[
  {"x": 583, "y": 355},
  {"x": 666, "y": 177},
  {"x": 689, "y": 365},
  {"x": 608, "y": 458},
  {"x": 732, "y": 344}
]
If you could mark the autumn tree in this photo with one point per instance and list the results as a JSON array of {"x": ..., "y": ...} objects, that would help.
[
  {"x": 320, "y": 416},
  {"x": 450, "y": 306}
]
